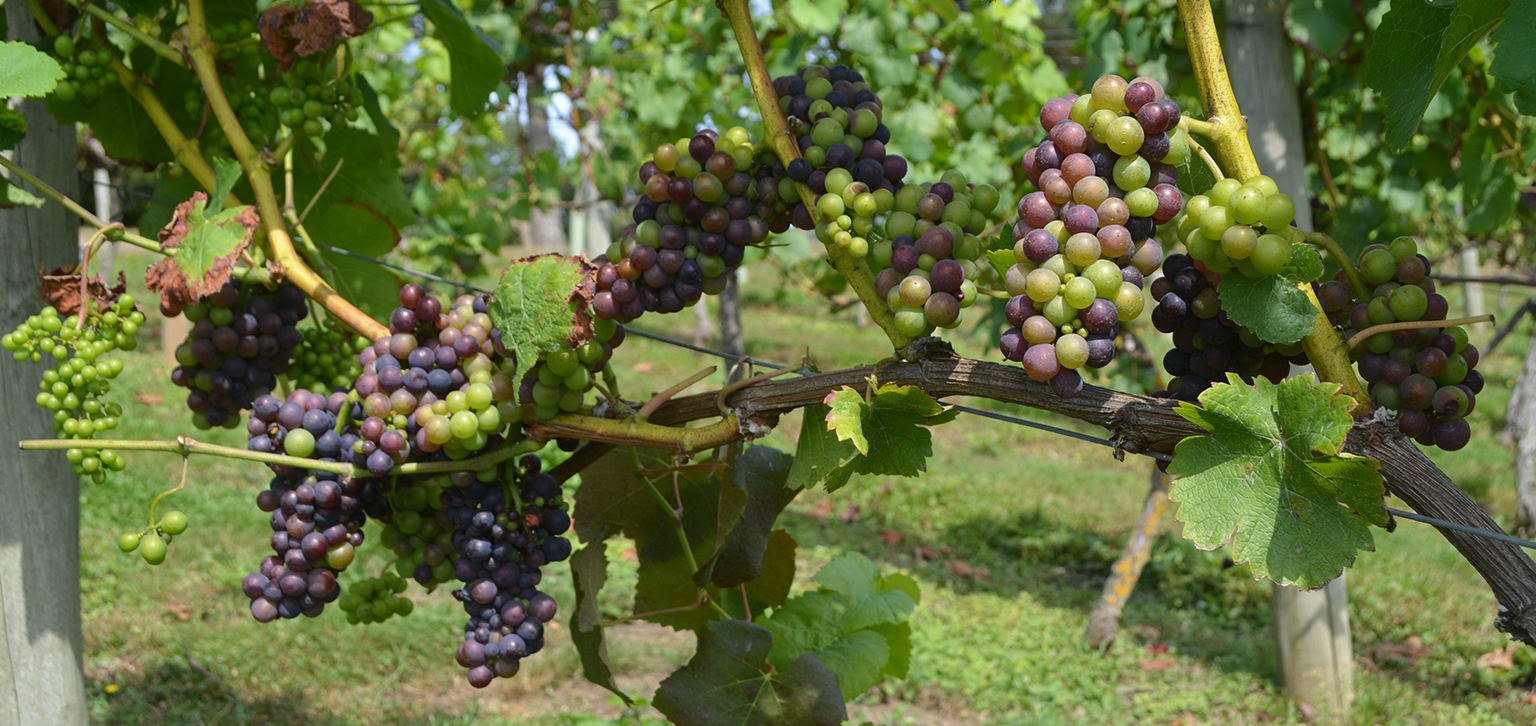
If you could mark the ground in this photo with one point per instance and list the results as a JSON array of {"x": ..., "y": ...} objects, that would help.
[{"x": 1010, "y": 535}]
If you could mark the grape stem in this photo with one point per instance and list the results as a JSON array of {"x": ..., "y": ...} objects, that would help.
[
  {"x": 1205, "y": 156},
  {"x": 999, "y": 294},
  {"x": 281, "y": 245},
  {"x": 779, "y": 138},
  {"x": 1228, "y": 136},
  {"x": 85, "y": 264},
  {"x": 702, "y": 598},
  {"x": 179, "y": 486},
  {"x": 682, "y": 535},
  {"x": 116, "y": 231},
  {"x": 1358, "y": 287},
  {"x": 1361, "y": 336},
  {"x": 1193, "y": 125},
  {"x": 43, "y": 21},
  {"x": 734, "y": 387},
  {"x": 186, "y": 446}
]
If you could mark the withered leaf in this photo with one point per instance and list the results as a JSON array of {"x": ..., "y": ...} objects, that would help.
[
  {"x": 203, "y": 250},
  {"x": 289, "y": 31},
  {"x": 61, "y": 289}
]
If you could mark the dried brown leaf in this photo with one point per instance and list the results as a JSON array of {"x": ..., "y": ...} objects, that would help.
[
  {"x": 290, "y": 31},
  {"x": 61, "y": 289},
  {"x": 168, "y": 277}
]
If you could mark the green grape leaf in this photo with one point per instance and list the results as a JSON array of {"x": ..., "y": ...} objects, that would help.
[
  {"x": 383, "y": 128},
  {"x": 543, "y": 304},
  {"x": 855, "y": 623},
  {"x": 203, "y": 248},
  {"x": 1496, "y": 204},
  {"x": 13, "y": 126},
  {"x": 761, "y": 473},
  {"x": 820, "y": 458},
  {"x": 27, "y": 71},
  {"x": 473, "y": 58},
  {"x": 364, "y": 206},
  {"x": 611, "y": 495},
  {"x": 1270, "y": 478},
  {"x": 1415, "y": 49},
  {"x": 12, "y": 196},
  {"x": 1326, "y": 25},
  {"x": 1273, "y": 307},
  {"x": 1194, "y": 176},
  {"x": 669, "y": 585},
  {"x": 157, "y": 214},
  {"x": 818, "y": 16},
  {"x": 119, "y": 123},
  {"x": 226, "y": 173},
  {"x": 1514, "y": 59},
  {"x": 729, "y": 682},
  {"x": 589, "y": 570},
  {"x": 372, "y": 288}
]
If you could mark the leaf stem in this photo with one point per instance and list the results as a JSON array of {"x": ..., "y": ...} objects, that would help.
[
  {"x": 703, "y": 598},
  {"x": 154, "y": 44},
  {"x": 660, "y": 398},
  {"x": 779, "y": 138},
  {"x": 43, "y": 21},
  {"x": 282, "y": 250},
  {"x": 117, "y": 231},
  {"x": 179, "y": 486},
  {"x": 186, "y": 149},
  {"x": 1361, "y": 336},
  {"x": 1358, "y": 287},
  {"x": 85, "y": 263},
  {"x": 1205, "y": 156}
]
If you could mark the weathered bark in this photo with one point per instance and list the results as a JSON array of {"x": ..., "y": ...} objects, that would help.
[
  {"x": 1104, "y": 621},
  {"x": 40, "y": 674}
]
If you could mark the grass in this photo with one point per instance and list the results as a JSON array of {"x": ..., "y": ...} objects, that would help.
[{"x": 1010, "y": 534}]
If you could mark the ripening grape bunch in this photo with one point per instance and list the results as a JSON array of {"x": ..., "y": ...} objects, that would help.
[
  {"x": 326, "y": 359},
  {"x": 1240, "y": 226},
  {"x": 1084, "y": 244},
  {"x": 440, "y": 382},
  {"x": 241, "y": 340},
  {"x": 559, "y": 382},
  {"x": 705, "y": 200},
  {"x": 1427, "y": 374},
  {"x": 1207, "y": 345},
  {"x": 930, "y": 260},
  {"x": 502, "y": 546},
  {"x": 73, "y": 388}
]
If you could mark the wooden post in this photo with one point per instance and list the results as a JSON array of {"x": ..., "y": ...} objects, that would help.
[
  {"x": 40, "y": 674},
  {"x": 1312, "y": 628},
  {"x": 1473, "y": 290}
]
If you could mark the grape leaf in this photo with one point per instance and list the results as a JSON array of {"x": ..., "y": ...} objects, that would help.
[
  {"x": 729, "y": 682},
  {"x": 12, "y": 196},
  {"x": 364, "y": 206},
  {"x": 1326, "y": 25},
  {"x": 818, "y": 17},
  {"x": 1194, "y": 176},
  {"x": 27, "y": 71},
  {"x": 1271, "y": 479},
  {"x": 589, "y": 570},
  {"x": 543, "y": 304},
  {"x": 886, "y": 434},
  {"x": 820, "y": 458},
  {"x": 1274, "y": 307},
  {"x": 1415, "y": 49},
  {"x": 204, "y": 247},
  {"x": 1514, "y": 59},
  {"x": 473, "y": 58},
  {"x": 13, "y": 126},
  {"x": 670, "y": 585},
  {"x": 61, "y": 289},
  {"x": 849, "y": 623},
  {"x": 121, "y": 125},
  {"x": 1002, "y": 260},
  {"x": 761, "y": 474}
]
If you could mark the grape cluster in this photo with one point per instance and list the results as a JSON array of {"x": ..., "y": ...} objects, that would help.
[
  {"x": 416, "y": 535},
  {"x": 1425, "y": 374},
  {"x": 86, "y": 71},
  {"x": 1207, "y": 345},
  {"x": 326, "y": 359},
  {"x": 1242, "y": 226},
  {"x": 560, "y": 380},
  {"x": 439, "y": 383},
  {"x": 929, "y": 266},
  {"x": 74, "y": 387},
  {"x": 501, "y": 548},
  {"x": 317, "y": 516},
  {"x": 241, "y": 340},
  {"x": 706, "y": 199},
  {"x": 375, "y": 599},
  {"x": 837, "y": 120},
  {"x": 1084, "y": 244},
  {"x": 152, "y": 543},
  {"x": 310, "y": 95}
]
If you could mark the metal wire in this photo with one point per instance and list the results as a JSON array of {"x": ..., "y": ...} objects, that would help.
[{"x": 1435, "y": 521}]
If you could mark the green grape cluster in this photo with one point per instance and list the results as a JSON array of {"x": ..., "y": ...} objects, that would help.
[
  {"x": 326, "y": 359},
  {"x": 1242, "y": 226},
  {"x": 375, "y": 599},
  {"x": 152, "y": 543},
  {"x": 310, "y": 95},
  {"x": 73, "y": 388},
  {"x": 86, "y": 70},
  {"x": 560, "y": 381}
]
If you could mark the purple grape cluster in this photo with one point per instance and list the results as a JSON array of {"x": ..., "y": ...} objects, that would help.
[
  {"x": 501, "y": 548},
  {"x": 240, "y": 342}
]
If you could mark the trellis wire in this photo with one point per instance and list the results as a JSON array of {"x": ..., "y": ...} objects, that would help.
[{"x": 1435, "y": 521}]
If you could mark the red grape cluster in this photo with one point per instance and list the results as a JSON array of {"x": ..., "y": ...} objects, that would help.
[
  {"x": 706, "y": 199},
  {"x": 1084, "y": 243},
  {"x": 241, "y": 340},
  {"x": 502, "y": 546},
  {"x": 1427, "y": 374}
]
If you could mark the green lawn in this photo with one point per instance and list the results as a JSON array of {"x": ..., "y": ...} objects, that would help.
[{"x": 1011, "y": 535}]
